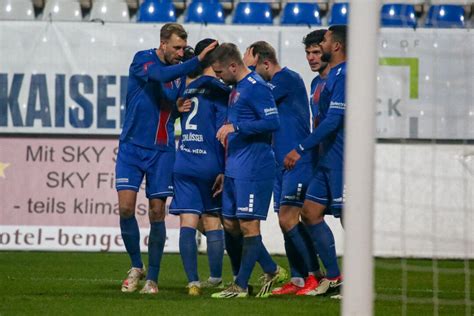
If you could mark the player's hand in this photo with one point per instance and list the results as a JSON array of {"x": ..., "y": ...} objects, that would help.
[
  {"x": 223, "y": 132},
  {"x": 218, "y": 185},
  {"x": 249, "y": 59},
  {"x": 207, "y": 50},
  {"x": 184, "y": 105},
  {"x": 291, "y": 159}
]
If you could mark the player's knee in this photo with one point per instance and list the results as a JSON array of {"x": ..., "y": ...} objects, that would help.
[
  {"x": 126, "y": 211},
  {"x": 232, "y": 227},
  {"x": 156, "y": 214},
  {"x": 288, "y": 220}
]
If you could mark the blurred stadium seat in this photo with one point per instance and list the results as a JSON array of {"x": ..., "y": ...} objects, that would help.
[
  {"x": 110, "y": 11},
  {"x": 398, "y": 15},
  {"x": 205, "y": 12},
  {"x": 156, "y": 11},
  {"x": 16, "y": 10},
  {"x": 62, "y": 10},
  {"x": 253, "y": 13},
  {"x": 445, "y": 16},
  {"x": 339, "y": 13},
  {"x": 305, "y": 13}
]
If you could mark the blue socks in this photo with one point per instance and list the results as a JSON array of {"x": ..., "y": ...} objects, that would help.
[
  {"x": 215, "y": 251},
  {"x": 131, "y": 239},
  {"x": 233, "y": 245},
  {"x": 323, "y": 238},
  {"x": 266, "y": 261},
  {"x": 188, "y": 252},
  {"x": 313, "y": 252},
  {"x": 156, "y": 244},
  {"x": 251, "y": 250},
  {"x": 297, "y": 266}
]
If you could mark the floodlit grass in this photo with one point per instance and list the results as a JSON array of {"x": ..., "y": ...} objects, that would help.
[{"x": 89, "y": 284}]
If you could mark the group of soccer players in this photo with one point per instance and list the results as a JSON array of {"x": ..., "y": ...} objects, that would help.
[{"x": 247, "y": 133}]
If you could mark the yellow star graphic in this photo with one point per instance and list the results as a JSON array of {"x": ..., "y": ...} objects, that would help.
[{"x": 3, "y": 166}]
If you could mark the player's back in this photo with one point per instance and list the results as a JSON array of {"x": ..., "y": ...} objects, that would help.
[
  {"x": 149, "y": 120},
  {"x": 249, "y": 152},
  {"x": 199, "y": 153},
  {"x": 332, "y": 101},
  {"x": 291, "y": 98}
]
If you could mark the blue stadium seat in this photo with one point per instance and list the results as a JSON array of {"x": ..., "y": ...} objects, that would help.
[
  {"x": 156, "y": 11},
  {"x": 301, "y": 13},
  {"x": 398, "y": 15},
  {"x": 445, "y": 16},
  {"x": 202, "y": 11},
  {"x": 339, "y": 13},
  {"x": 253, "y": 13}
]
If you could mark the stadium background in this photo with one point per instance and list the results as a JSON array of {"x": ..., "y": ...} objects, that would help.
[
  {"x": 63, "y": 89},
  {"x": 62, "y": 92}
]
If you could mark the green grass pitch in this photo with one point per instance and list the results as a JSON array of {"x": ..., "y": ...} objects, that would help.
[{"x": 38, "y": 283}]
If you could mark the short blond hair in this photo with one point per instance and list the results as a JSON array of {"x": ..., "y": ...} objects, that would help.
[{"x": 172, "y": 28}]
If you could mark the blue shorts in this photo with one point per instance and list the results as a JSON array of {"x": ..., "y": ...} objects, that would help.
[
  {"x": 290, "y": 185},
  {"x": 246, "y": 199},
  {"x": 327, "y": 188},
  {"x": 193, "y": 195},
  {"x": 135, "y": 162}
]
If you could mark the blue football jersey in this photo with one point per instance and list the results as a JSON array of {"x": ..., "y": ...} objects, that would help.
[
  {"x": 317, "y": 85},
  {"x": 291, "y": 98},
  {"x": 153, "y": 88},
  {"x": 199, "y": 152},
  {"x": 254, "y": 115},
  {"x": 332, "y": 102}
]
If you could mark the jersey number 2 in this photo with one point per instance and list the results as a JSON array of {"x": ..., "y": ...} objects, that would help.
[{"x": 193, "y": 113}]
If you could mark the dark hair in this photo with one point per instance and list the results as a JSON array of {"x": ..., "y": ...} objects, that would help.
[
  {"x": 207, "y": 61},
  {"x": 314, "y": 38},
  {"x": 339, "y": 34},
  {"x": 200, "y": 46},
  {"x": 172, "y": 28},
  {"x": 227, "y": 53},
  {"x": 264, "y": 51}
]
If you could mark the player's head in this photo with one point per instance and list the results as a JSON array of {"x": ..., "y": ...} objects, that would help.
[
  {"x": 266, "y": 59},
  {"x": 334, "y": 42},
  {"x": 207, "y": 61},
  {"x": 173, "y": 40},
  {"x": 312, "y": 46},
  {"x": 227, "y": 61}
]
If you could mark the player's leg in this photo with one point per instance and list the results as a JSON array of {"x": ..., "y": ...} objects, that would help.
[
  {"x": 188, "y": 251},
  {"x": 253, "y": 201},
  {"x": 232, "y": 234},
  {"x": 158, "y": 188},
  {"x": 297, "y": 267},
  {"x": 215, "y": 248},
  {"x": 128, "y": 179},
  {"x": 318, "y": 197}
]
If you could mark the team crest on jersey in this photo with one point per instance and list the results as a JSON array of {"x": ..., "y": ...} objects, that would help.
[
  {"x": 169, "y": 85},
  {"x": 234, "y": 96}
]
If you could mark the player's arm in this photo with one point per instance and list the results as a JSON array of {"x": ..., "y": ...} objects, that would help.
[
  {"x": 333, "y": 120},
  {"x": 263, "y": 104},
  {"x": 150, "y": 70}
]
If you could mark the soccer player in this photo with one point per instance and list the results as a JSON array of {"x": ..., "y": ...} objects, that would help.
[
  {"x": 198, "y": 170},
  {"x": 290, "y": 185},
  {"x": 250, "y": 169},
  {"x": 147, "y": 147},
  {"x": 326, "y": 188},
  {"x": 312, "y": 43}
]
